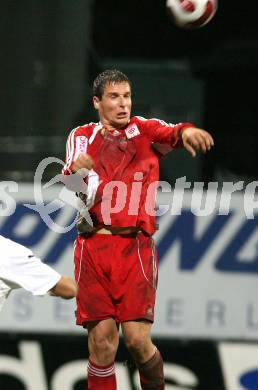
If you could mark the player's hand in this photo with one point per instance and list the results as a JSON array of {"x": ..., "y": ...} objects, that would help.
[
  {"x": 84, "y": 161},
  {"x": 195, "y": 139},
  {"x": 106, "y": 130}
]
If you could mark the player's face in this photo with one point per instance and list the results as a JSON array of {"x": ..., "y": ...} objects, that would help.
[{"x": 115, "y": 105}]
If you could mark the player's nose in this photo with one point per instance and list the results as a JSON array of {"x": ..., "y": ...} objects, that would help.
[{"x": 122, "y": 101}]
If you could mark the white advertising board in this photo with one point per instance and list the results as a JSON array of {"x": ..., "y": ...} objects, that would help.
[{"x": 208, "y": 270}]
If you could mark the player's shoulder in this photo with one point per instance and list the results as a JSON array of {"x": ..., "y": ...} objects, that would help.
[
  {"x": 85, "y": 130},
  {"x": 138, "y": 119},
  {"x": 148, "y": 123},
  {"x": 143, "y": 120}
]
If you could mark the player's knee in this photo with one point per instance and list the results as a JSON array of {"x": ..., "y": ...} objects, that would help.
[
  {"x": 135, "y": 343},
  {"x": 103, "y": 348},
  {"x": 102, "y": 344}
]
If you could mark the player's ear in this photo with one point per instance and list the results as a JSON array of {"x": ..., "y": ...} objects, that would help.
[{"x": 96, "y": 102}]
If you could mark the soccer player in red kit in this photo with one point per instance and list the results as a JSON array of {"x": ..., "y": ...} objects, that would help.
[{"x": 115, "y": 259}]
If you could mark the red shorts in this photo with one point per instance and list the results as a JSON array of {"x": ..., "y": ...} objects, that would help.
[{"x": 117, "y": 277}]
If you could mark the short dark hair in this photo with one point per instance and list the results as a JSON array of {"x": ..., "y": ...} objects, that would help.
[{"x": 107, "y": 77}]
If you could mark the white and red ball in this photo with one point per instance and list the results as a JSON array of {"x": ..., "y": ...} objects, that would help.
[{"x": 192, "y": 13}]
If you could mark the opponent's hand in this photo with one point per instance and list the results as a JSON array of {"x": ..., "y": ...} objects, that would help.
[
  {"x": 83, "y": 161},
  {"x": 195, "y": 139},
  {"x": 65, "y": 288}
]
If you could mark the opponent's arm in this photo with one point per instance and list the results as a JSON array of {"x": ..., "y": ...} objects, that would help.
[{"x": 65, "y": 288}]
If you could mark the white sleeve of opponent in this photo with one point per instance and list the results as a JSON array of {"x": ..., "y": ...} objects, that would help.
[{"x": 20, "y": 268}]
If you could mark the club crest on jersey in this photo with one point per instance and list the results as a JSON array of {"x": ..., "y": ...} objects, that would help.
[
  {"x": 132, "y": 131},
  {"x": 81, "y": 144}
]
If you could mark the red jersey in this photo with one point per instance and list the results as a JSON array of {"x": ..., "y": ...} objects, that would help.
[{"x": 122, "y": 186}]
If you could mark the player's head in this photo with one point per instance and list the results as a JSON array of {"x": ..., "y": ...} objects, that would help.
[
  {"x": 112, "y": 98},
  {"x": 109, "y": 76}
]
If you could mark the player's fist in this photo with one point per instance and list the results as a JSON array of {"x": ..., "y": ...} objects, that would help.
[
  {"x": 195, "y": 139},
  {"x": 83, "y": 162}
]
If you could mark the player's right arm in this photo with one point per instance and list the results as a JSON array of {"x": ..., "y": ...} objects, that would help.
[
  {"x": 79, "y": 163},
  {"x": 76, "y": 152}
]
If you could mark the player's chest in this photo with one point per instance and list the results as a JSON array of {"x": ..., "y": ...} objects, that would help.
[{"x": 116, "y": 155}]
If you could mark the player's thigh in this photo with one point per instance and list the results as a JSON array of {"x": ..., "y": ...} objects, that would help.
[
  {"x": 94, "y": 298},
  {"x": 139, "y": 284}
]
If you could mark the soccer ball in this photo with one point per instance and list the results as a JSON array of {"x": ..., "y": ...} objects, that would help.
[{"x": 192, "y": 13}]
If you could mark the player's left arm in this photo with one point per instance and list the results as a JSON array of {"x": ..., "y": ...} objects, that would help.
[
  {"x": 167, "y": 136},
  {"x": 161, "y": 132}
]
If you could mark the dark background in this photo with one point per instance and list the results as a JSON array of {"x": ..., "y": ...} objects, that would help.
[
  {"x": 187, "y": 355},
  {"x": 52, "y": 50}
]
